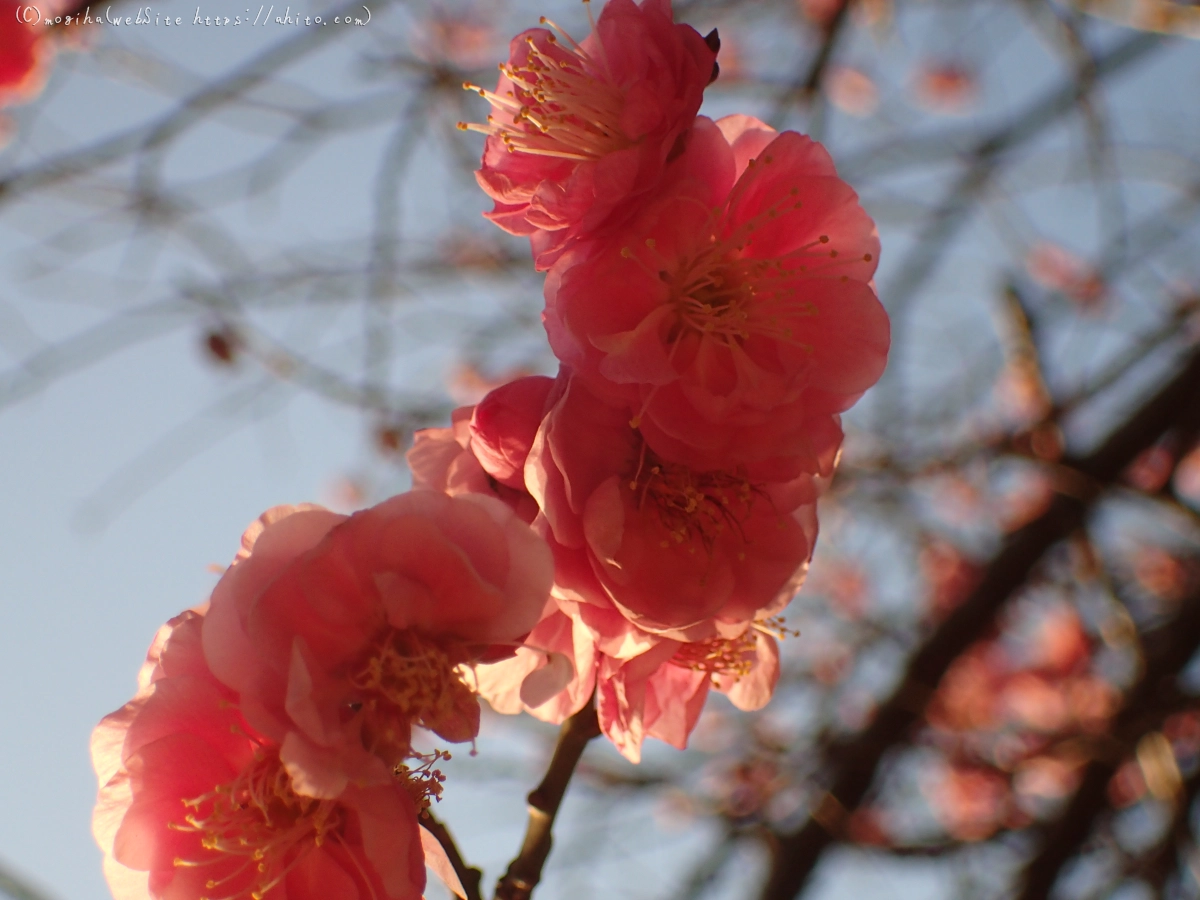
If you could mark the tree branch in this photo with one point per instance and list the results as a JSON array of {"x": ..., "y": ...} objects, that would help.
[
  {"x": 854, "y": 762},
  {"x": 525, "y": 871},
  {"x": 12, "y": 886},
  {"x": 808, "y": 81}
]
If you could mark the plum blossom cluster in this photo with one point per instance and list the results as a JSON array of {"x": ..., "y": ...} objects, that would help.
[
  {"x": 268, "y": 753},
  {"x": 623, "y": 534},
  {"x": 709, "y": 297}
]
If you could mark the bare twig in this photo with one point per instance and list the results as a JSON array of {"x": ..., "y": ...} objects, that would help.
[
  {"x": 187, "y": 114},
  {"x": 525, "y": 871},
  {"x": 808, "y": 82},
  {"x": 11, "y": 886},
  {"x": 468, "y": 876}
]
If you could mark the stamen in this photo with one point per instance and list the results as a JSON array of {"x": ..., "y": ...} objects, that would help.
[
  {"x": 564, "y": 103},
  {"x": 258, "y": 826},
  {"x": 692, "y": 507},
  {"x": 404, "y": 679},
  {"x": 718, "y": 656},
  {"x": 776, "y": 627},
  {"x": 424, "y": 783},
  {"x": 721, "y": 294}
]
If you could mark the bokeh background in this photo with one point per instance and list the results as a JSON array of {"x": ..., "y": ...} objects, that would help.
[{"x": 240, "y": 265}]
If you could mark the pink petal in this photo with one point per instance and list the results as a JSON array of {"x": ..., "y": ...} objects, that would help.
[{"x": 437, "y": 860}]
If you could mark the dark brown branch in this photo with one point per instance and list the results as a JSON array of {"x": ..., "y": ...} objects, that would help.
[
  {"x": 525, "y": 871},
  {"x": 469, "y": 876},
  {"x": 853, "y": 763}
]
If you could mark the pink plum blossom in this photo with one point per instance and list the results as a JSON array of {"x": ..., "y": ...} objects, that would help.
[
  {"x": 735, "y": 551},
  {"x": 504, "y": 425},
  {"x": 551, "y": 677},
  {"x": 443, "y": 459},
  {"x": 661, "y": 693},
  {"x": 683, "y": 553},
  {"x": 341, "y": 633},
  {"x": 26, "y": 52},
  {"x": 658, "y": 693},
  {"x": 580, "y": 132},
  {"x": 484, "y": 449},
  {"x": 195, "y": 803},
  {"x": 735, "y": 314}
]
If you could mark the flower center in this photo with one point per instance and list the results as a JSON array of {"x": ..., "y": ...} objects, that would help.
[
  {"x": 730, "y": 656},
  {"x": 691, "y": 506},
  {"x": 422, "y": 781},
  {"x": 719, "y": 656},
  {"x": 259, "y": 820},
  {"x": 719, "y": 290},
  {"x": 562, "y": 102},
  {"x": 405, "y": 679}
]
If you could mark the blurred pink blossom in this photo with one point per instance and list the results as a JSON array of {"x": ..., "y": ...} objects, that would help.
[
  {"x": 465, "y": 40},
  {"x": 1058, "y": 269},
  {"x": 851, "y": 90},
  {"x": 1187, "y": 475},
  {"x": 948, "y": 88}
]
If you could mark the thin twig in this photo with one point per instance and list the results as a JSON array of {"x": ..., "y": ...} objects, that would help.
[
  {"x": 808, "y": 81},
  {"x": 11, "y": 886},
  {"x": 525, "y": 871},
  {"x": 468, "y": 876},
  {"x": 709, "y": 866}
]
